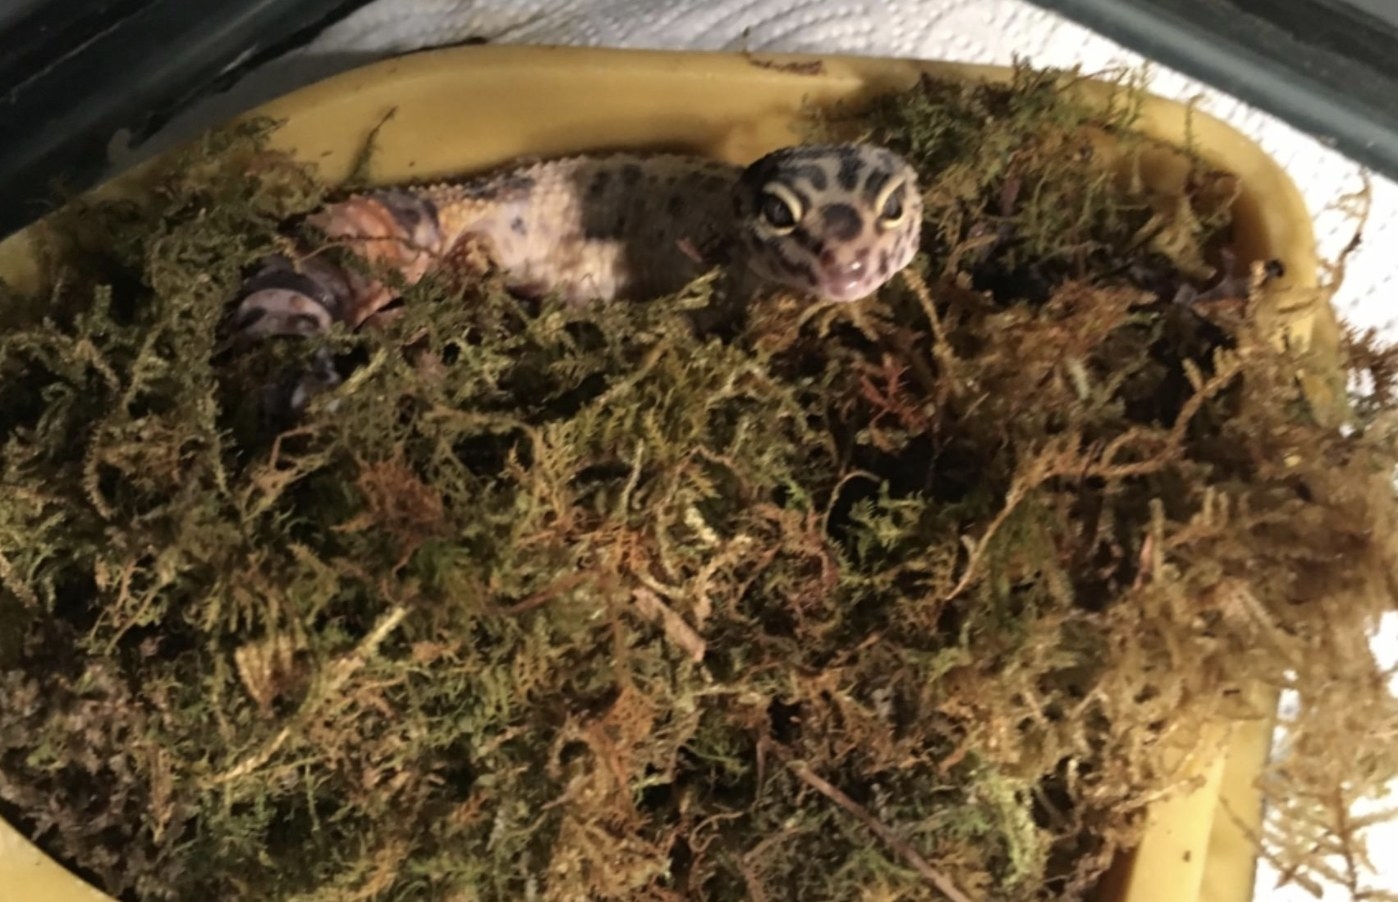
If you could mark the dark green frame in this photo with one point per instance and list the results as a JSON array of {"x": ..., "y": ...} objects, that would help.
[{"x": 1327, "y": 67}]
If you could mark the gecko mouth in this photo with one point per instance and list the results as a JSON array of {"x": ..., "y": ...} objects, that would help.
[{"x": 847, "y": 282}]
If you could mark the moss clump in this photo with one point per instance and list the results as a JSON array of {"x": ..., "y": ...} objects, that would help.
[{"x": 910, "y": 597}]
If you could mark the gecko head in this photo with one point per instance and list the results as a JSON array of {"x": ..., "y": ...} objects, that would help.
[{"x": 833, "y": 221}]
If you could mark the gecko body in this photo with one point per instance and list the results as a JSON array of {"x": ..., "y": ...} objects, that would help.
[{"x": 834, "y": 222}]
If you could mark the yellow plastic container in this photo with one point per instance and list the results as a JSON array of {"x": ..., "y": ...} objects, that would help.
[{"x": 464, "y": 109}]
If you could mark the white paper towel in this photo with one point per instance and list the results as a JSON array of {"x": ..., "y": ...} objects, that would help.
[{"x": 991, "y": 31}]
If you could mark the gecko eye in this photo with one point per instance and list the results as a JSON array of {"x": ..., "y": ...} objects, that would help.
[
  {"x": 890, "y": 207},
  {"x": 779, "y": 208},
  {"x": 776, "y": 212}
]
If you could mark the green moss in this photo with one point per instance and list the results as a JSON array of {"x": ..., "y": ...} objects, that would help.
[{"x": 559, "y": 602}]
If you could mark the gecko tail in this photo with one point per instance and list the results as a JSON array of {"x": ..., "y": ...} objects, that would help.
[
  {"x": 286, "y": 298},
  {"x": 394, "y": 233}
]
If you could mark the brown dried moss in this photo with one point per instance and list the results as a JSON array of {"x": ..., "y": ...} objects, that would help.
[{"x": 910, "y": 598}]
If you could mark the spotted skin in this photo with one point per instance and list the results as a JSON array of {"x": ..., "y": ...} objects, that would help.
[{"x": 833, "y": 222}]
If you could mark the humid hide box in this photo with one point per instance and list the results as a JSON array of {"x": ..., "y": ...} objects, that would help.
[{"x": 465, "y": 109}]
